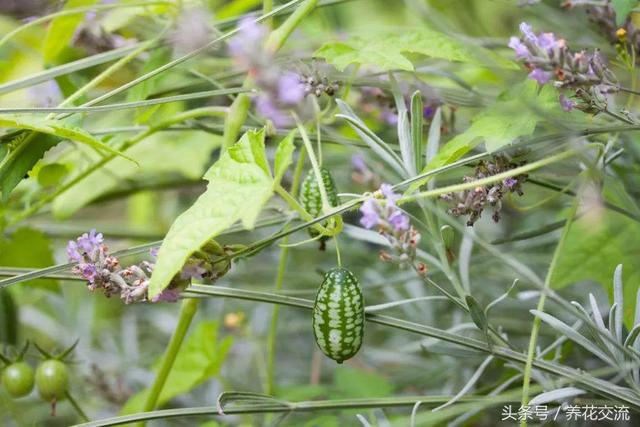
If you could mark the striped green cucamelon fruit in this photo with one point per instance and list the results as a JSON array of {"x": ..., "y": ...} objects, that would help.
[
  {"x": 310, "y": 196},
  {"x": 338, "y": 315}
]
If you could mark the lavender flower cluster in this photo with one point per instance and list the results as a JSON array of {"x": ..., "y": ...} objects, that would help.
[
  {"x": 104, "y": 271},
  {"x": 472, "y": 202},
  {"x": 383, "y": 214},
  {"x": 550, "y": 59},
  {"x": 280, "y": 91}
]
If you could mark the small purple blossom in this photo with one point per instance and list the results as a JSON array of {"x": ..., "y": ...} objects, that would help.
[
  {"x": 370, "y": 217},
  {"x": 520, "y": 48},
  {"x": 358, "y": 163},
  {"x": 290, "y": 89},
  {"x": 168, "y": 295},
  {"x": 510, "y": 182},
  {"x": 528, "y": 33},
  {"x": 192, "y": 270},
  {"x": 267, "y": 108},
  {"x": 88, "y": 272},
  {"x": 72, "y": 252},
  {"x": 392, "y": 223},
  {"x": 399, "y": 221},
  {"x": 566, "y": 103},
  {"x": 540, "y": 75},
  {"x": 387, "y": 192},
  {"x": 88, "y": 242}
]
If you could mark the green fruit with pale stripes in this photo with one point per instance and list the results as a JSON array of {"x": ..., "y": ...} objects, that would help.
[
  {"x": 338, "y": 315},
  {"x": 310, "y": 196}
]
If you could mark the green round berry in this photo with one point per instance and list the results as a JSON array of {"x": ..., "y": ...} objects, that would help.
[
  {"x": 18, "y": 379},
  {"x": 52, "y": 380}
]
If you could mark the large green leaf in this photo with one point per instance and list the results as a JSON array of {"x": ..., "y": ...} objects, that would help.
[
  {"x": 516, "y": 113},
  {"x": 354, "y": 383},
  {"x": 200, "y": 359},
  {"x": 388, "y": 50},
  {"x": 186, "y": 153},
  {"x": 19, "y": 161},
  {"x": 28, "y": 248},
  {"x": 595, "y": 245},
  {"x": 62, "y": 29},
  {"x": 240, "y": 183}
]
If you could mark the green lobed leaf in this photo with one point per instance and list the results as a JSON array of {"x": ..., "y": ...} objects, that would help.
[
  {"x": 388, "y": 50},
  {"x": 62, "y": 29},
  {"x": 185, "y": 153},
  {"x": 199, "y": 360},
  {"x": 622, "y": 9},
  {"x": 240, "y": 183}
]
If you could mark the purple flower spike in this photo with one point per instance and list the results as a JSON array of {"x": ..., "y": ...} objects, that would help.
[
  {"x": 566, "y": 103},
  {"x": 522, "y": 51},
  {"x": 370, "y": 217},
  {"x": 540, "y": 76},
  {"x": 290, "y": 90}
]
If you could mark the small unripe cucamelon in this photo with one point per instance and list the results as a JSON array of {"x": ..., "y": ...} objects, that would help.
[
  {"x": 338, "y": 315},
  {"x": 311, "y": 198}
]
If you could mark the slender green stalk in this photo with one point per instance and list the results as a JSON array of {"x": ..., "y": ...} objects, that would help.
[
  {"x": 282, "y": 267},
  {"x": 281, "y": 34},
  {"x": 76, "y": 406},
  {"x": 489, "y": 180},
  {"x": 535, "y": 329},
  {"x": 267, "y": 6},
  {"x": 187, "y": 311}
]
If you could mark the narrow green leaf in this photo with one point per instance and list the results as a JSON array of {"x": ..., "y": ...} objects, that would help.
[
  {"x": 8, "y": 319},
  {"x": 477, "y": 313},
  {"x": 416, "y": 129},
  {"x": 61, "y": 30},
  {"x": 241, "y": 175},
  {"x": 61, "y": 130}
]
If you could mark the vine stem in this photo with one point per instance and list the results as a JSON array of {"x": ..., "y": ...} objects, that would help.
[
  {"x": 282, "y": 267},
  {"x": 187, "y": 312},
  {"x": 76, "y": 406},
  {"x": 535, "y": 329}
]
